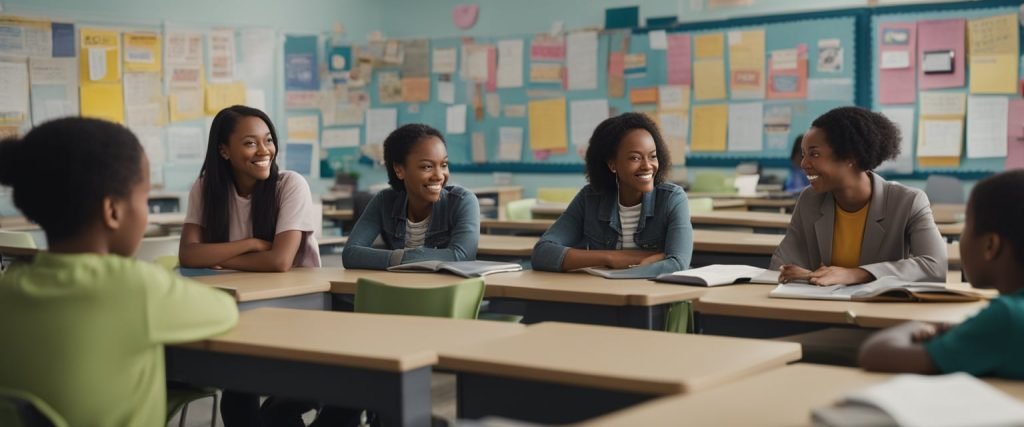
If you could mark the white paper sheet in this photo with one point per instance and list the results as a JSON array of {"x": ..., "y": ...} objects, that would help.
[
  {"x": 674, "y": 126},
  {"x": 152, "y": 141},
  {"x": 479, "y": 147},
  {"x": 54, "y": 91},
  {"x": 444, "y": 60},
  {"x": 942, "y": 103},
  {"x": 144, "y": 104},
  {"x": 895, "y": 59},
  {"x": 674, "y": 97},
  {"x": 446, "y": 92},
  {"x": 581, "y": 57},
  {"x": 304, "y": 128},
  {"x": 987, "y": 126},
  {"x": 455, "y": 119},
  {"x": 256, "y": 98},
  {"x": 492, "y": 103},
  {"x": 336, "y": 138},
  {"x": 256, "y": 50},
  {"x": 903, "y": 118},
  {"x": 746, "y": 122},
  {"x": 941, "y": 138},
  {"x": 510, "y": 144},
  {"x": 830, "y": 89},
  {"x": 379, "y": 123},
  {"x": 221, "y": 44},
  {"x": 185, "y": 144},
  {"x": 585, "y": 116},
  {"x": 510, "y": 63},
  {"x": 657, "y": 40},
  {"x": 14, "y": 99}
]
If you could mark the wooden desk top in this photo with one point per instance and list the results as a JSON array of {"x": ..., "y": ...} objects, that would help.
[
  {"x": 551, "y": 208},
  {"x": 512, "y": 246},
  {"x": 331, "y": 240},
  {"x": 538, "y": 286},
  {"x": 497, "y": 189},
  {"x": 779, "y": 397},
  {"x": 244, "y": 286},
  {"x": 951, "y": 229},
  {"x": 359, "y": 340},
  {"x": 649, "y": 362},
  {"x": 168, "y": 219},
  {"x": 948, "y": 213},
  {"x": 540, "y": 225},
  {"x": 753, "y": 301},
  {"x": 735, "y": 242},
  {"x": 742, "y": 219},
  {"x": 339, "y": 214}
]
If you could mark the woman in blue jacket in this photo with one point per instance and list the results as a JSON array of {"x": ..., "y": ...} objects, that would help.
[{"x": 627, "y": 216}]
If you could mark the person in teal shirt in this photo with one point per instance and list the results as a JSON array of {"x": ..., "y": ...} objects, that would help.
[
  {"x": 82, "y": 326},
  {"x": 992, "y": 253}
]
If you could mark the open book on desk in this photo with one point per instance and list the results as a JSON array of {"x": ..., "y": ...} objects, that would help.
[
  {"x": 887, "y": 288},
  {"x": 611, "y": 273},
  {"x": 918, "y": 400},
  {"x": 461, "y": 268},
  {"x": 719, "y": 274}
]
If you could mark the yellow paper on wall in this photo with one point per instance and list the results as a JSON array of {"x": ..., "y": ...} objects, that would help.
[
  {"x": 746, "y": 64},
  {"x": 709, "y": 126},
  {"x": 142, "y": 52},
  {"x": 708, "y": 45},
  {"x": 939, "y": 140},
  {"x": 547, "y": 124},
  {"x": 185, "y": 104},
  {"x": 992, "y": 54},
  {"x": 99, "y": 56},
  {"x": 220, "y": 96},
  {"x": 709, "y": 79},
  {"x": 102, "y": 101}
]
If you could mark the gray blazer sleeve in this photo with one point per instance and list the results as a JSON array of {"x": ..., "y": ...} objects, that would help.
[
  {"x": 793, "y": 249},
  {"x": 929, "y": 258}
]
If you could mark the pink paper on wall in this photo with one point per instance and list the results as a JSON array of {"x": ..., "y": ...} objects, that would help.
[
  {"x": 680, "y": 69},
  {"x": 896, "y": 85},
  {"x": 1015, "y": 135},
  {"x": 464, "y": 15},
  {"x": 492, "y": 68},
  {"x": 616, "y": 64},
  {"x": 946, "y": 34}
]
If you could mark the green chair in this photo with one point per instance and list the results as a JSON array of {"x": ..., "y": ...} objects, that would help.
[
  {"x": 679, "y": 318},
  {"x": 23, "y": 409},
  {"x": 179, "y": 396},
  {"x": 519, "y": 210},
  {"x": 457, "y": 301},
  {"x": 169, "y": 262},
  {"x": 702, "y": 205},
  {"x": 712, "y": 182},
  {"x": 556, "y": 194}
]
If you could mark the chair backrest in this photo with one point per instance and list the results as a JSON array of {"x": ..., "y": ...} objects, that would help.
[
  {"x": 17, "y": 239},
  {"x": 944, "y": 189},
  {"x": 519, "y": 210},
  {"x": 702, "y": 205},
  {"x": 458, "y": 301},
  {"x": 711, "y": 182},
  {"x": 22, "y": 409},
  {"x": 556, "y": 194}
]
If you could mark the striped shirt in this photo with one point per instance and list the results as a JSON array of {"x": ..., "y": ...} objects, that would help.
[
  {"x": 629, "y": 216},
  {"x": 415, "y": 233}
]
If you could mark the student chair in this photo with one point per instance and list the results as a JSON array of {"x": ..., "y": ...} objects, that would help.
[
  {"x": 712, "y": 182},
  {"x": 944, "y": 189},
  {"x": 680, "y": 318},
  {"x": 519, "y": 210},
  {"x": 457, "y": 301},
  {"x": 180, "y": 395},
  {"x": 556, "y": 194},
  {"x": 22, "y": 409},
  {"x": 702, "y": 205}
]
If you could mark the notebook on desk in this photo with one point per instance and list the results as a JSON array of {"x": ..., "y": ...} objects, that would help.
[
  {"x": 917, "y": 400},
  {"x": 884, "y": 289},
  {"x": 720, "y": 274},
  {"x": 460, "y": 268}
]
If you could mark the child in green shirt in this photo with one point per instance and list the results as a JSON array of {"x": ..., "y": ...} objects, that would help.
[
  {"x": 82, "y": 327},
  {"x": 992, "y": 253}
]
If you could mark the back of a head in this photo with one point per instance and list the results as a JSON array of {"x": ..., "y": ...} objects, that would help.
[
  {"x": 997, "y": 206},
  {"x": 62, "y": 170}
]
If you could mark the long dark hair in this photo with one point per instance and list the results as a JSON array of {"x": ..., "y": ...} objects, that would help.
[{"x": 219, "y": 180}]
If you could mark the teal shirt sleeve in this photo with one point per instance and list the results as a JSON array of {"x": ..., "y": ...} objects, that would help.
[
  {"x": 181, "y": 310},
  {"x": 978, "y": 346}
]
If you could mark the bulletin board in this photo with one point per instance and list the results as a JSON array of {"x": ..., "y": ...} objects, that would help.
[{"x": 969, "y": 168}]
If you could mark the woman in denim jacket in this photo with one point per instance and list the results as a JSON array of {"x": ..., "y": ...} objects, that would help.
[
  {"x": 418, "y": 218},
  {"x": 627, "y": 216}
]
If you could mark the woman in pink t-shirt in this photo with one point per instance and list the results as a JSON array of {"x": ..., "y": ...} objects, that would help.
[{"x": 243, "y": 213}]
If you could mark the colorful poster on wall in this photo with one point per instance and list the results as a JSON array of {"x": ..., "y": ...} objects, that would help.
[
  {"x": 221, "y": 44},
  {"x": 709, "y": 127},
  {"x": 300, "y": 64},
  {"x": 787, "y": 73},
  {"x": 995, "y": 43},
  {"x": 547, "y": 120},
  {"x": 746, "y": 64},
  {"x": 709, "y": 67},
  {"x": 142, "y": 53},
  {"x": 940, "y": 40},
  {"x": 677, "y": 56},
  {"x": 99, "y": 56},
  {"x": 897, "y": 49}
]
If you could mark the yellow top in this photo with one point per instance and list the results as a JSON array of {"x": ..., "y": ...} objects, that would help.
[{"x": 847, "y": 235}]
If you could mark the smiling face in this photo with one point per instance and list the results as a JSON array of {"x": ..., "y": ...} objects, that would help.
[
  {"x": 424, "y": 170},
  {"x": 635, "y": 163},
  {"x": 250, "y": 149},
  {"x": 824, "y": 171}
]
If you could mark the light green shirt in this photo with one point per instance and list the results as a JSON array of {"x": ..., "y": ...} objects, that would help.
[
  {"x": 85, "y": 333},
  {"x": 988, "y": 344}
]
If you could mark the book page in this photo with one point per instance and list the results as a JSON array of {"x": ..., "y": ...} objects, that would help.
[{"x": 954, "y": 399}]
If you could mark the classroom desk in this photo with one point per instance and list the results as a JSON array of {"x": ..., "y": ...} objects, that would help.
[
  {"x": 339, "y": 214},
  {"x": 550, "y": 210},
  {"x": 302, "y": 288},
  {"x": 15, "y": 252},
  {"x": 948, "y": 213},
  {"x": 531, "y": 225},
  {"x": 378, "y": 362},
  {"x": 569, "y": 297},
  {"x": 778, "y": 221},
  {"x": 733, "y": 247},
  {"x": 490, "y": 245},
  {"x": 503, "y": 194},
  {"x": 752, "y": 301},
  {"x": 559, "y": 372},
  {"x": 779, "y": 397}
]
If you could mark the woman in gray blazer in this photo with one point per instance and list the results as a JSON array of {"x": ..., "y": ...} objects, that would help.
[{"x": 851, "y": 226}]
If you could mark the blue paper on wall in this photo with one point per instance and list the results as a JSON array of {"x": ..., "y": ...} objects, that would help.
[
  {"x": 63, "y": 37},
  {"x": 300, "y": 66},
  {"x": 299, "y": 157},
  {"x": 622, "y": 17}
]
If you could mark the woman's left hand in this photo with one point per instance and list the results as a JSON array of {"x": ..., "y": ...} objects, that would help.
[{"x": 828, "y": 276}]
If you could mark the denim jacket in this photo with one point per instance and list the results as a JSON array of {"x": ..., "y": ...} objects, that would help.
[
  {"x": 453, "y": 233},
  {"x": 592, "y": 222}
]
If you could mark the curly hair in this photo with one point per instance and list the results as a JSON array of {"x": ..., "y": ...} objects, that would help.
[
  {"x": 63, "y": 169},
  {"x": 854, "y": 133},
  {"x": 604, "y": 145},
  {"x": 997, "y": 204},
  {"x": 399, "y": 143}
]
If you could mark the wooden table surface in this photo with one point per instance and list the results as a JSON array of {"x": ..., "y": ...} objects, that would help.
[
  {"x": 780, "y": 397},
  {"x": 359, "y": 340},
  {"x": 244, "y": 286},
  {"x": 648, "y": 362},
  {"x": 753, "y": 301}
]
